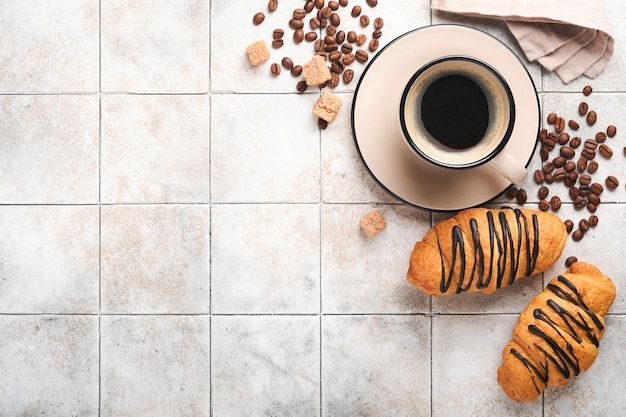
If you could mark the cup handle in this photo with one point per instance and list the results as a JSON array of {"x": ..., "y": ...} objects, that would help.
[{"x": 508, "y": 167}]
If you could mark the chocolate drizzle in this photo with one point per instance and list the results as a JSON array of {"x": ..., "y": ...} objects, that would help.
[
  {"x": 504, "y": 250},
  {"x": 575, "y": 328}
]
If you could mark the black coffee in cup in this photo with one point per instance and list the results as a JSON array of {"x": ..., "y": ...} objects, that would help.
[{"x": 455, "y": 111}]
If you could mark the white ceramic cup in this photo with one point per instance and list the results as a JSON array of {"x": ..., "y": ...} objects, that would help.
[{"x": 437, "y": 116}]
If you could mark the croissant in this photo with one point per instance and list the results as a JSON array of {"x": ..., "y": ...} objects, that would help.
[
  {"x": 558, "y": 334},
  {"x": 483, "y": 249}
]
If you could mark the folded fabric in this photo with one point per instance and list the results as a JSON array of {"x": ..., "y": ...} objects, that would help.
[{"x": 570, "y": 37}]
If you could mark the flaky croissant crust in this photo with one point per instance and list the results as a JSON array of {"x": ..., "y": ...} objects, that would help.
[
  {"x": 485, "y": 249},
  {"x": 558, "y": 334}
]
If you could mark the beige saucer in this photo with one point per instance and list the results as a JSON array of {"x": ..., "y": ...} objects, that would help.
[{"x": 378, "y": 137}]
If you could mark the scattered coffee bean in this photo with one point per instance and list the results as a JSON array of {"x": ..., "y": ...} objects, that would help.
[
  {"x": 588, "y": 153},
  {"x": 559, "y": 125},
  {"x": 569, "y": 166},
  {"x": 552, "y": 118},
  {"x": 348, "y": 58},
  {"x": 309, "y": 6},
  {"x": 302, "y": 86},
  {"x": 346, "y": 48},
  {"x": 277, "y": 43},
  {"x": 578, "y": 235},
  {"x": 296, "y": 71},
  {"x": 573, "y": 124},
  {"x": 582, "y": 164},
  {"x": 258, "y": 18},
  {"x": 348, "y": 76},
  {"x": 543, "y": 205},
  {"x": 310, "y": 36},
  {"x": 606, "y": 151},
  {"x": 272, "y": 5},
  {"x": 539, "y": 176},
  {"x": 325, "y": 12},
  {"x": 567, "y": 152},
  {"x": 299, "y": 13},
  {"x": 343, "y": 3},
  {"x": 361, "y": 56},
  {"x": 296, "y": 24},
  {"x": 591, "y": 208},
  {"x": 592, "y": 167},
  {"x": 555, "y": 203},
  {"x": 351, "y": 37},
  {"x": 543, "y": 192},
  {"x": 593, "y": 220},
  {"x": 379, "y": 23},
  {"x": 597, "y": 188},
  {"x": 587, "y": 90},
  {"x": 548, "y": 168},
  {"x": 334, "y": 80},
  {"x": 335, "y": 20},
  {"x": 319, "y": 4},
  {"x": 594, "y": 199},
  {"x": 592, "y": 117},
  {"x": 278, "y": 33},
  {"x": 364, "y": 20},
  {"x": 584, "y": 190},
  {"x": 340, "y": 37},
  {"x": 356, "y": 11},
  {"x": 511, "y": 192},
  {"x": 377, "y": 34},
  {"x": 361, "y": 39},
  {"x": 583, "y": 225},
  {"x": 287, "y": 63},
  {"x": 373, "y": 46},
  {"x": 580, "y": 203},
  {"x": 298, "y": 36},
  {"x": 585, "y": 179},
  {"x": 611, "y": 131},
  {"x": 611, "y": 182},
  {"x": 521, "y": 197},
  {"x": 571, "y": 260},
  {"x": 275, "y": 69},
  {"x": 583, "y": 108},
  {"x": 563, "y": 138},
  {"x": 372, "y": 3},
  {"x": 600, "y": 137},
  {"x": 569, "y": 225},
  {"x": 560, "y": 175}
]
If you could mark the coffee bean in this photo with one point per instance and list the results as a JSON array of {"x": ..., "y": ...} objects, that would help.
[
  {"x": 611, "y": 182},
  {"x": 593, "y": 220},
  {"x": 361, "y": 39},
  {"x": 544, "y": 205},
  {"x": 584, "y": 190},
  {"x": 588, "y": 153},
  {"x": 340, "y": 37},
  {"x": 559, "y": 161},
  {"x": 373, "y": 46},
  {"x": 587, "y": 90},
  {"x": 278, "y": 33},
  {"x": 551, "y": 119},
  {"x": 606, "y": 151},
  {"x": 521, "y": 197},
  {"x": 319, "y": 45},
  {"x": 569, "y": 166},
  {"x": 583, "y": 108},
  {"x": 597, "y": 188},
  {"x": 559, "y": 125},
  {"x": 377, "y": 34},
  {"x": 592, "y": 167},
  {"x": 335, "y": 56},
  {"x": 548, "y": 168},
  {"x": 348, "y": 58},
  {"x": 296, "y": 71},
  {"x": 277, "y": 43},
  {"x": 575, "y": 142},
  {"x": 361, "y": 56},
  {"x": 346, "y": 48},
  {"x": 352, "y": 36},
  {"x": 272, "y": 5},
  {"x": 333, "y": 5},
  {"x": 611, "y": 131},
  {"x": 600, "y": 137},
  {"x": 573, "y": 193},
  {"x": 571, "y": 260},
  {"x": 310, "y": 36},
  {"x": 275, "y": 69},
  {"x": 567, "y": 152},
  {"x": 593, "y": 199},
  {"x": 563, "y": 138},
  {"x": 335, "y": 20},
  {"x": 582, "y": 164},
  {"x": 325, "y": 12},
  {"x": 549, "y": 179},
  {"x": 591, "y": 208},
  {"x": 539, "y": 176},
  {"x": 299, "y": 13},
  {"x": 511, "y": 192},
  {"x": 296, "y": 24},
  {"x": 356, "y": 11},
  {"x": 571, "y": 178},
  {"x": 287, "y": 63},
  {"x": 578, "y": 235},
  {"x": 543, "y": 192},
  {"x": 329, "y": 40},
  {"x": 544, "y": 153},
  {"x": 302, "y": 86},
  {"x": 343, "y": 3},
  {"x": 585, "y": 179},
  {"x": 372, "y": 3},
  {"x": 379, "y": 23},
  {"x": 309, "y": 6},
  {"x": 315, "y": 23},
  {"x": 258, "y": 18},
  {"x": 348, "y": 76},
  {"x": 569, "y": 225},
  {"x": 334, "y": 80},
  {"x": 560, "y": 175},
  {"x": 337, "y": 67},
  {"x": 592, "y": 117},
  {"x": 298, "y": 36},
  {"x": 364, "y": 20},
  {"x": 331, "y": 47},
  {"x": 331, "y": 30},
  {"x": 591, "y": 144},
  {"x": 555, "y": 203},
  {"x": 573, "y": 124}
]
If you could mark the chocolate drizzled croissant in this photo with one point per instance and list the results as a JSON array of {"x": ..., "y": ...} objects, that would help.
[
  {"x": 558, "y": 334},
  {"x": 482, "y": 250}
]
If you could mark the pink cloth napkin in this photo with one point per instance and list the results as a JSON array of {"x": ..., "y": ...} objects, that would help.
[{"x": 570, "y": 37}]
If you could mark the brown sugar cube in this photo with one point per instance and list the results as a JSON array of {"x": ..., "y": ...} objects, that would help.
[
  {"x": 258, "y": 53},
  {"x": 372, "y": 223},
  {"x": 316, "y": 72},
  {"x": 327, "y": 106}
]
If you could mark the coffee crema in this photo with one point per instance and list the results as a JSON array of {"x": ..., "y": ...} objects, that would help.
[{"x": 457, "y": 112}]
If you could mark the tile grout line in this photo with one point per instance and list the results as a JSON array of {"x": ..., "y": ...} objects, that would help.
[{"x": 99, "y": 208}]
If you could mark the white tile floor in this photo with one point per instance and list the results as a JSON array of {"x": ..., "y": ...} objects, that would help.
[{"x": 179, "y": 239}]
